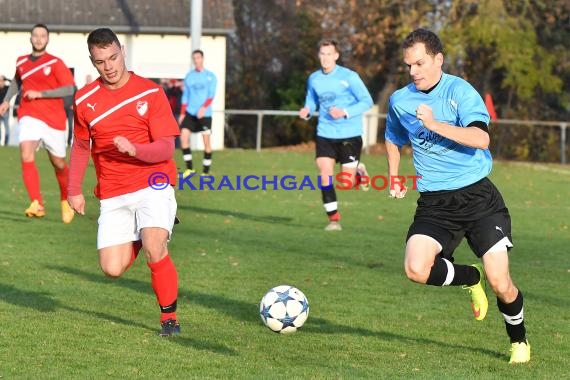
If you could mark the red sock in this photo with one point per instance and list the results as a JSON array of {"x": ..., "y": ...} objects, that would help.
[
  {"x": 164, "y": 279},
  {"x": 137, "y": 245},
  {"x": 62, "y": 176},
  {"x": 32, "y": 181},
  {"x": 335, "y": 217}
]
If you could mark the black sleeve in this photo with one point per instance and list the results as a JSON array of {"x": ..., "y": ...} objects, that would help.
[{"x": 480, "y": 125}]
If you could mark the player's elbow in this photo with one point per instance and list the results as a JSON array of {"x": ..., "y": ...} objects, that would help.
[
  {"x": 483, "y": 140},
  {"x": 478, "y": 138}
]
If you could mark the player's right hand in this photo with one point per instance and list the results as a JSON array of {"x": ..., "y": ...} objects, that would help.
[
  {"x": 304, "y": 113},
  {"x": 77, "y": 203},
  {"x": 399, "y": 191}
]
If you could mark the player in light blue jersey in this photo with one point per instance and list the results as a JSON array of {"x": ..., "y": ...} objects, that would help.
[
  {"x": 196, "y": 111},
  {"x": 446, "y": 122},
  {"x": 442, "y": 163},
  {"x": 341, "y": 98}
]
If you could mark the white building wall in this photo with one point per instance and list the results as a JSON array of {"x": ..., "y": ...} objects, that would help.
[{"x": 151, "y": 56}]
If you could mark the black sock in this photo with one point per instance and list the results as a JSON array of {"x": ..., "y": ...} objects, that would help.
[
  {"x": 444, "y": 272},
  {"x": 187, "y": 156},
  {"x": 207, "y": 162},
  {"x": 514, "y": 318},
  {"x": 169, "y": 309},
  {"x": 329, "y": 199}
]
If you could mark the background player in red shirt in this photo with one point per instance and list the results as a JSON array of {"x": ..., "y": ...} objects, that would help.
[
  {"x": 43, "y": 80},
  {"x": 126, "y": 122}
]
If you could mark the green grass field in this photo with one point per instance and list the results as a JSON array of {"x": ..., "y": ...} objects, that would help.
[{"x": 61, "y": 318}]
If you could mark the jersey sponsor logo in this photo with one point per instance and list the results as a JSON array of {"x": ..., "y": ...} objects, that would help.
[
  {"x": 142, "y": 107},
  {"x": 344, "y": 83},
  {"x": 499, "y": 229},
  {"x": 326, "y": 100},
  {"x": 198, "y": 86},
  {"x": 92, "y": 106},
  {"x": 429, "y": 138}
]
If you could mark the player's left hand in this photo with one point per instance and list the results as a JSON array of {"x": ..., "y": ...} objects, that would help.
[
  {"x": 336, "y": 113},
  {"x": 125, "y": 146}
]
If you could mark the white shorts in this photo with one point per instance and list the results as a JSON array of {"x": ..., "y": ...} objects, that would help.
[
  {"x": 122, "y": 217},
  {"x": 32, "y": 129}
]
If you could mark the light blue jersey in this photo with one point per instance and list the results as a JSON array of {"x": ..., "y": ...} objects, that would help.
[
  {"x": 341, "y": 88},
  {"x": 198, "y": 87},
  {"x": 442, "y": 163}
]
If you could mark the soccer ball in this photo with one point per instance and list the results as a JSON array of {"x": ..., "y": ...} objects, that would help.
[{"x": 284, "y": 309}]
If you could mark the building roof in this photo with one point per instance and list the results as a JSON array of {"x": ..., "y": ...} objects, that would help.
[{"x": 123, "y": 16}]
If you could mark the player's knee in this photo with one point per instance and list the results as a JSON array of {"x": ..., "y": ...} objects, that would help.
[
  {"x": 155, "y": 252},
  {"x": 59, "y": 165},
  {"x": 113, "y": 271},
  {"x": 416, "y": 271},
  {"x": 503, "y": 287}
]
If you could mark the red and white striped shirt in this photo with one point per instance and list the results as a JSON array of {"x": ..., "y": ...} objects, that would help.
[
  {"x": 45, "y": 73},
  {"x": 138, "y": 111}
]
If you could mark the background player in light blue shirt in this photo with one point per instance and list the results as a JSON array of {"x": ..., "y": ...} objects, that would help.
[
  {"x": 341, "y": 98},
  {"x": 196, "y": 111},
  {"x": 446, "y": 122}
]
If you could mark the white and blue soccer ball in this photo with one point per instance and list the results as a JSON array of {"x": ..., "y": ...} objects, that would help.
[{"x": 284, "y": 309}]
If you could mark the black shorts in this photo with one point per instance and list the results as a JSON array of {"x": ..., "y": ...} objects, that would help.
[
  {"x": 344, "y": 151},
  {"x": 194, "y": 124},
  {"x": 476, "y": 212}
]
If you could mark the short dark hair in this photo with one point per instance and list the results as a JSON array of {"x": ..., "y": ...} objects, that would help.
[
  {"x": 329, "y": 42},
  {"x": 427, "y": 37},
  {"x": 40, "y": 26},
  {"x": 101, "y": 38},
  {"x": 198, "y": 51}
]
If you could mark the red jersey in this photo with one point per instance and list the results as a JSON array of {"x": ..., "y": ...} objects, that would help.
[
  {"x": 47, "y": 72},
  {"x": 138, "y": 111}
]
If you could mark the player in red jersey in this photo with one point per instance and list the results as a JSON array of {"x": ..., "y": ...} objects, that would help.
[
  {"x": 43, "y": 81},
  {"x": 125, "y": 121}
]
